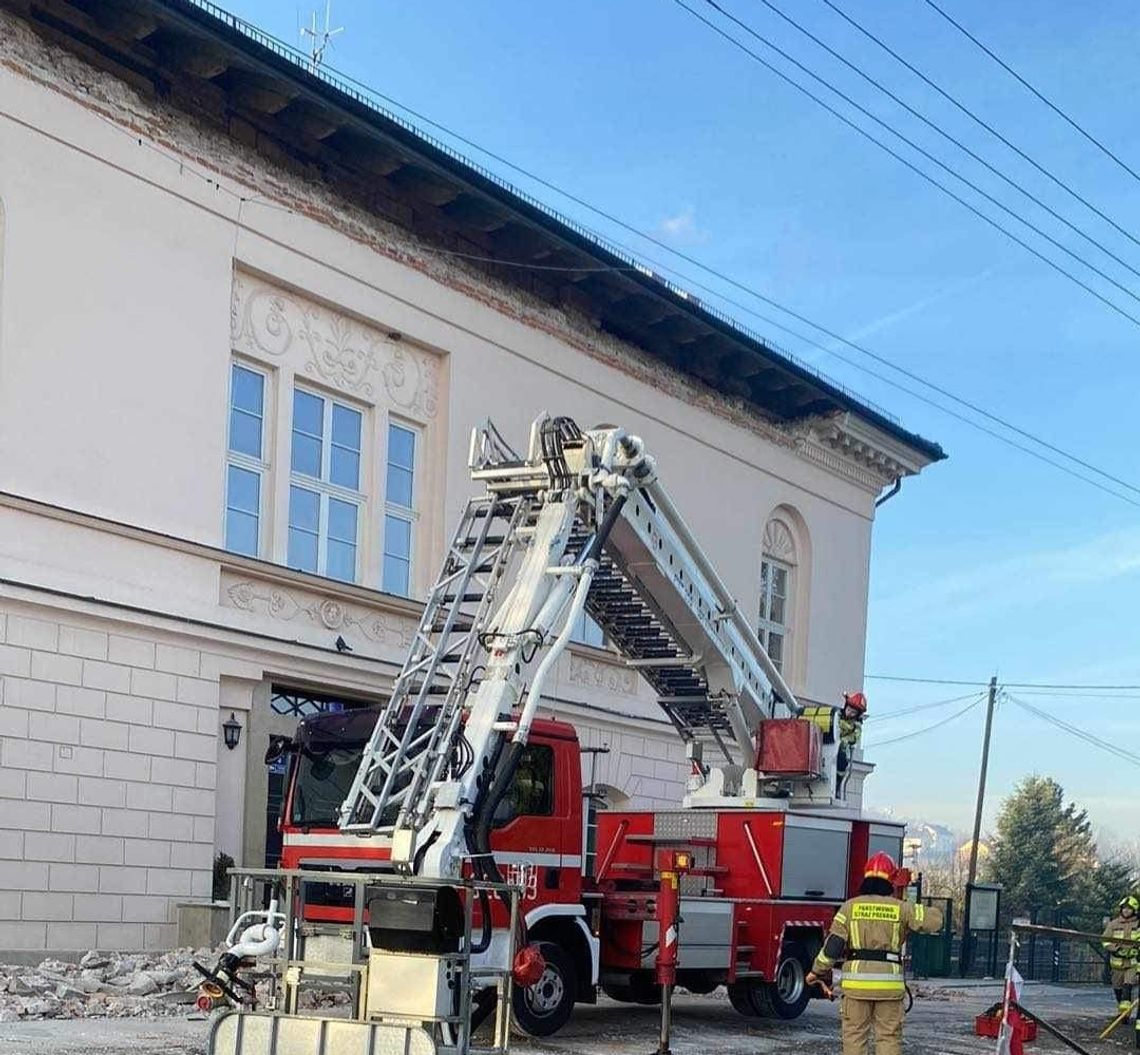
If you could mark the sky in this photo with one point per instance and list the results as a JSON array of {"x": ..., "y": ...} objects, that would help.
[{"x": 991, "y": 562}]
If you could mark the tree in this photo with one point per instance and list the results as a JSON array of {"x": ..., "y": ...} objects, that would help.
[{"x": 1045, "y": 856}]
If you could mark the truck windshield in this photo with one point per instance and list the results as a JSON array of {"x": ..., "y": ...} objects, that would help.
[{"x": 322, "y": 784}]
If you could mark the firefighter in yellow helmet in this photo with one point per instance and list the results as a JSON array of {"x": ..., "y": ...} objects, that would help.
[
  {"x": 1123, "y": 959},
  {"x": 867, "y": 935}
]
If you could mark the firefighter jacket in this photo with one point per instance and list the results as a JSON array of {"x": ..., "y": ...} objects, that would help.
[
  {"x": 850, "y": 729},
  {"x": 867, "y": 935},
  {"x": 1122, "y": 957}
]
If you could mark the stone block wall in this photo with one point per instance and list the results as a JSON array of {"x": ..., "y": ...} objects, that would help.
[{"x": 108, "y": 747}]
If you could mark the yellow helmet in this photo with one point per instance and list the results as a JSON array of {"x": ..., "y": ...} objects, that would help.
[{"x": 1130, "y": 901}]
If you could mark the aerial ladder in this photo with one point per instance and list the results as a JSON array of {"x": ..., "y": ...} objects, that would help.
[
  {"x": 580, "y": 524},
  {"x": 587, "y": 526}
]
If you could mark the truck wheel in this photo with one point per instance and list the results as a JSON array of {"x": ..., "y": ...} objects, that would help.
[
  {"x": 745, "y": 998},
  {"x": 543, "y": 1008},
  {"x": 788, "y": 995}
]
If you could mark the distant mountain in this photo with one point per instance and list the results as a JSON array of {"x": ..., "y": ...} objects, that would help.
[{"x": 932, "y": 841}]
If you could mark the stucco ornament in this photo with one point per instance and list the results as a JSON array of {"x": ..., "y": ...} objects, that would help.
[
  {"x": 340, "y": 353},
  {"x": 262, "y": 324},
  {"x": 384, "y": 628},
  {"x": 779, "y": 542},
  {"x": 594, "y": 675},
  {"x": 362, "y": 360}
]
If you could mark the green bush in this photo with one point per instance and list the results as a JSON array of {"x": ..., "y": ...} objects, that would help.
[{"x": 222, "y": 864}]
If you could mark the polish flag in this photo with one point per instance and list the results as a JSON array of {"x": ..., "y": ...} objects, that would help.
[{"x": 1009, "y": 1036}]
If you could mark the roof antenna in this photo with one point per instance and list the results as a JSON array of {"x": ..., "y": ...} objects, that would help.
[{"x": 321, "y": 38}]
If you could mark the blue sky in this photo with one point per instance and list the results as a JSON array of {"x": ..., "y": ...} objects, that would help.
[{"x": 990, "y": 562}]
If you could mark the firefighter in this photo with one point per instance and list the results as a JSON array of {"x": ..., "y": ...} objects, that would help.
[
  {"x": 1123, "y": 959},
  {"x": 850, "y": 729},
  {"x": 867, "y": 935}
]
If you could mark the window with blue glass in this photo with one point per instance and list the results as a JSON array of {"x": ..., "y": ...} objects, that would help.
[
  {"x": 324, "y": 486},
  {"x": 399, "y": 510},
  {"x": 245, "y": 464}
]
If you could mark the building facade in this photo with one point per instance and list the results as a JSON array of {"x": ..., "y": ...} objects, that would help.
[{"x": 246, "y": 326}]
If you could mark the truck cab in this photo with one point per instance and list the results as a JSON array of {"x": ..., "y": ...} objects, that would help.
[{"x": 538, "y": 843}]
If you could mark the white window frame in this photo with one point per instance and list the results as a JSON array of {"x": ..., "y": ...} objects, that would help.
[
  {"x": 765, "y": 624},
  {"x": 409, "y": 514},
  {"x": 325, "y": 488},
  {"x": 259, "y": 466}
]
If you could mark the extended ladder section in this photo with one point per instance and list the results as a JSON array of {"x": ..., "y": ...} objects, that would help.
[
  {"x": 415, "y": 737},
  {"x": 667, "y": 613}
]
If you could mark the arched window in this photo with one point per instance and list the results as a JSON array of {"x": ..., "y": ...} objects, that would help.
[{"x": 777, "y": 591}]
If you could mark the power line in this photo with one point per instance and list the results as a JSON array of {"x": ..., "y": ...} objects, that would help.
[
  {"x": 720, "y": 275},
  {"x": 952, "y": 139},
  {"x": 910, "y": 164},
  {"x": 1080, "y": 734},
  {"x": 925, "y": 729},
  {"x": 980, "y": 121},
  {"x": 1004, "y": 684},
  {"x": 258, "y": 199},
  {"x": 1025, "y": 84},
  {"x": 908, "y": 711}
]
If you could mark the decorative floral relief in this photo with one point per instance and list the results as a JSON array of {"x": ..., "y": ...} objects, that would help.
[
  {"x": 326, "y": 612},
  {"x": 344, "y": 354},
  {"x": 593, "y": 675},
  {"x": 266, "y": 321}
]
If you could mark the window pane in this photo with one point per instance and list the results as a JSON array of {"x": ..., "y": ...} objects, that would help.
[
  {"x": 247, "y": 390},
  {"x": 397, "y": 537},
  {"x": 344, "y": 467},
  {"x": 243, "y": 490},
  {"x": 779, "y": 582},
  {"x": 397, "y": 573},
  {"x": 308, "y": 413},
  {"x": 302, "y": 550},
  {"x": 304, "y": 510},
  {"x": 241, "y": 532},
  {"x": 399, "y": 486},
  {"x": 776, "y": 648},
  {"x": 587, "y": 632},
  {"x": 341, "y": 561},
  {"x": 245, "y": 433},
  {"x": 306, "y": 455},
  {"x": 342, "y": 521},
  {"x": 777, "y": 613},
  {"x": 401, "y": 447},
  {"x": 346, "y": 427}
]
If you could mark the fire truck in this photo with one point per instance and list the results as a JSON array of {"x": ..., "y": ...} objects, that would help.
[{"x": 456, "y": 776}]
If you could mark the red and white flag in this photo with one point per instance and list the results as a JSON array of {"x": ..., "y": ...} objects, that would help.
[{"x": 1009, "y": 1035}]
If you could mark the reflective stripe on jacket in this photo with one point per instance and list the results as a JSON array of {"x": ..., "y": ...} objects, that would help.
[
  {"x": 1122, "y": 957},
  {"x": 877, "y": 924}
]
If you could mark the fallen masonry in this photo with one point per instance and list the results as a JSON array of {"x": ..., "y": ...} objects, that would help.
[{"x": 103, "y": 985}]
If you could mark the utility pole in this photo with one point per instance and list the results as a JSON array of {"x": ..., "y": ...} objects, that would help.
[{"x": 963, "y": 957}]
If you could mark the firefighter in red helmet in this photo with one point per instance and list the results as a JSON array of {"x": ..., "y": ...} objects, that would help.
[
  {"x": 867, "y": 936},
  {"x": 851, "y": 717}
]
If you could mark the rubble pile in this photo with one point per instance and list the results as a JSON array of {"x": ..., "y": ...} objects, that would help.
[{"x": 103, "y": 985}]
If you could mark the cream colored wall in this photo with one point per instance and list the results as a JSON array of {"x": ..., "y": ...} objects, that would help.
[{"x": 116, "y": 337}]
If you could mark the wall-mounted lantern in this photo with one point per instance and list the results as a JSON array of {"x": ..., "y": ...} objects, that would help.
[{"x": 231, "y": 731}]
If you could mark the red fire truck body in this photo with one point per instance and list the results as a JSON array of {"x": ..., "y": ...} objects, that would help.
[{"x": 764, "y": 884}]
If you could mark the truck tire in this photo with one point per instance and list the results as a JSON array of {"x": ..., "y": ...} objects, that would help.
[
  {"x": 788, "y": 995},
  {"x": 744, "y": 998},
  {"x": 543, "y": 1008}
]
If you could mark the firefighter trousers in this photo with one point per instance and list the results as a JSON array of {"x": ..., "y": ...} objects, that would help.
[{"x": 859, "y": 1020}]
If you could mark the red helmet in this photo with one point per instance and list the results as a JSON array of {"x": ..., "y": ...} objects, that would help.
[
  {"x": 880, "y": 866},
  {"x": 856, "y": 701}
]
